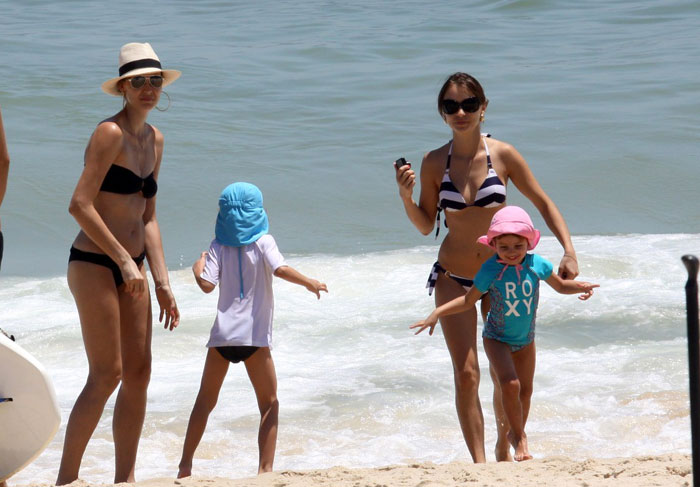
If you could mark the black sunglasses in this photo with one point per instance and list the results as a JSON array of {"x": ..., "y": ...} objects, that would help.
[
  {"x": 138, "y": 81},
  {"x": 468, "y": 105}
]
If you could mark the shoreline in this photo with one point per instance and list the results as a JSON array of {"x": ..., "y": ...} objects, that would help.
[{"x": 673, "y": 469}]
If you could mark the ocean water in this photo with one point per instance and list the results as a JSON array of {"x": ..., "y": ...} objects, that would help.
[{"x": 312, "y": 102}]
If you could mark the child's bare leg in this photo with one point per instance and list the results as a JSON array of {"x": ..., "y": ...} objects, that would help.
[
  {"x": 215, "y": 368},
  {"x": 525, "y": 360},
  {"x": 500, "y": 358},
  {"x": 261, "y": 371},
  {"x": 502, "y": 449}
]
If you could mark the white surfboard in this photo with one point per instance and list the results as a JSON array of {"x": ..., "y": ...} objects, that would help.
[{"x": 29, "y": 414}]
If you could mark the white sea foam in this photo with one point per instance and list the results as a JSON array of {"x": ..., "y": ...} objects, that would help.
[{"x": 357, "y": 388}]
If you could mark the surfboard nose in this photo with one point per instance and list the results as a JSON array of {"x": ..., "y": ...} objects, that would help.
[{"x": 29, "y": 413}]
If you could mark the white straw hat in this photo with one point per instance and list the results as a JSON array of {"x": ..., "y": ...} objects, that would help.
[{"x": 138, "y": 58}]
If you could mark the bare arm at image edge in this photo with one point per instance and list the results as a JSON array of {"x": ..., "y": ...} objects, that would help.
[
  {"x": 4, "y": 163},
  {"x": 4, "y": 170}
]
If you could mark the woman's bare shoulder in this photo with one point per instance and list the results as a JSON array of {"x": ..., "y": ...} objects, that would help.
[
  {"x": 108, "y": 127},
  {"x": 156, "y": 132},
  {"x": 498, "y": 145},
  {"x": 157, "y": 135},
  {"x": 504, "y": 151},
  {"x": 107, "y": 134},
  {"x": 435, "y": 159}
]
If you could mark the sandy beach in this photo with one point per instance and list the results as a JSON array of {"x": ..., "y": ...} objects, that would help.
[{"x": 663, "y": 470}]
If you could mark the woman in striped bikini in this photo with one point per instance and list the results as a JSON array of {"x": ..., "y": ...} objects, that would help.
[{"x": 467, "y": 178}]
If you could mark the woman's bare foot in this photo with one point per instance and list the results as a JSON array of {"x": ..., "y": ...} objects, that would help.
[
  {"x": 502, "y": 450},
  {"x": 520, "y": 447},
  {"x": 184, "y": 470}
]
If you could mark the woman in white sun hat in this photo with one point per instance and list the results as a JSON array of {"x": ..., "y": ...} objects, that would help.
[{"x": 114, "y": 203}]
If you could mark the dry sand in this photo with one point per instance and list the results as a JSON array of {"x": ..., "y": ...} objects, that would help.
[{"x": 663, "y": 470}]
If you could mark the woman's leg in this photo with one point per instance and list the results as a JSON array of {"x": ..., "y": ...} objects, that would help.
[
  {"x": 261, "y": 370},
  {"x": 460, "y": 335},
  {"x": 215, "y": 368},
  {"x": 98, "y": 308},
  {"x": 504, "y": 368},
  {"x": 130, "y": 407}
]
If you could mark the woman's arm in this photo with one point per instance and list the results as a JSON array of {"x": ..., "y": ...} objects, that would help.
[
  {"x": 457, "y": 305},
  {"x": 102, "y": 150},
  {"x": 570, "y": 286},
  {"x": 4, "y": 162},
  {"x": 295, "y": 277},
  {"x": 154, "y": 251},
  {"x": 422, "y": 215},
  {"x": 521, "y": 175}
]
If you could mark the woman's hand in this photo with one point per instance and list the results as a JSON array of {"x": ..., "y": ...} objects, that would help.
[
  {"x": 406, "y": 179},
  {"x": 134, "y": 282},
  {"x": 168, "y": 307},
  {"x": 568, "y": 267},
  {"x": 429, "y": 322}
]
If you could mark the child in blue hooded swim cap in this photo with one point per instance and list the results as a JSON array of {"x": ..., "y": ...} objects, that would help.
[{"x": 242, "y": 260}]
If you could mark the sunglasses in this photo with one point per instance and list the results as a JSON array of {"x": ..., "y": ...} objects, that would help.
[
  {"x": 468, "y": 105},
  {"x": 138, "y": 81}
]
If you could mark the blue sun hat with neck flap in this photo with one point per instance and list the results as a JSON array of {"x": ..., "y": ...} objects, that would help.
[{"x": 242, "y": 219}]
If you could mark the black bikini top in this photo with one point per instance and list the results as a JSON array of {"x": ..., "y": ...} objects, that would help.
[{"x": 125, "y": 181}]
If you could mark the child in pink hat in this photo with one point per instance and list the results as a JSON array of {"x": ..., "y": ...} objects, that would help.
[{"x": 511, "y": 277}]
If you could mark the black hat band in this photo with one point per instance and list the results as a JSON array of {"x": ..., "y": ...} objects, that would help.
[{"x": 141, "y": 63}]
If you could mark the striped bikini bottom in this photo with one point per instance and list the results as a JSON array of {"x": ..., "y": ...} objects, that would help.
[{"x": 465, "y": 282}]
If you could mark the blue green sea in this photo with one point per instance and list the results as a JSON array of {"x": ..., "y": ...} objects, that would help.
[{"x": 313, "y": 101}]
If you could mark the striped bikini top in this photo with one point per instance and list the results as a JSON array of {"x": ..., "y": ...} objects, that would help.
[{"x": 491, "y": 193}]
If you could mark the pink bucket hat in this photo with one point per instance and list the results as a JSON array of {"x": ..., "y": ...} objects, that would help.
[{"x": 511, "y": 220}]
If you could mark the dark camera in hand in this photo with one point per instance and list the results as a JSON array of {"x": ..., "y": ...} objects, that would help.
[{"x": 401, "y": 161}]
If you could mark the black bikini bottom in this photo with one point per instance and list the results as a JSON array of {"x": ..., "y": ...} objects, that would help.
[
  {"x": 103, "y": 260},
  {"x": 237, "y": 353},
  {"x": 1, "y": 246}
]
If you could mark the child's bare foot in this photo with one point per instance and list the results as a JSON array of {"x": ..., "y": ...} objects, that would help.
[
  {"x": 184, "y": 470},
  {"x": 520, "y": 447},
  {"x": 502, "y": 450}
]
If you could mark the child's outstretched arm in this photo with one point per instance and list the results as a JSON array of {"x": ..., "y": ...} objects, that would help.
[
  {"x": 457, "y": 305},
  {"x": 572, "y": 287},
  {"x": 294, "y": 276},
  {"x": 197, "y": 269}
]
